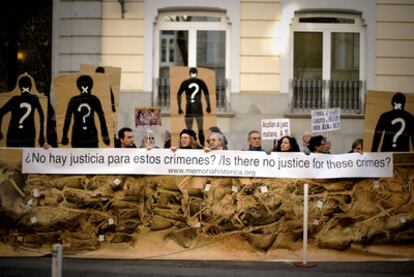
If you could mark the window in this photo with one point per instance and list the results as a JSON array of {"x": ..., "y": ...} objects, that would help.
[
  {"x": 194, "y": 39},
  {"x": 327, "y": 61}
]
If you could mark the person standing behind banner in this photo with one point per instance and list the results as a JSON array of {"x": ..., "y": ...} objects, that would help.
[
  {"x": 215, "y": 129},
  {"x": 148, "y": 140},
  {"x": 187, "y": 140},
  {"x": 125, "y": 138},
  {"x": 317, "y": 144},
  {"x": 166, "y": 138},
  {"x": 287, "y": 144},
  {"x": 254, "y": 140},
  {"x": 305, "y": 141},
  {"x": 357, "y": 146},
  {"x": 215, "y": 142}
]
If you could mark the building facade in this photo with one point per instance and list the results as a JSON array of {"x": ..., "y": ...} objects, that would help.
[{"x": 273, "y": 58}]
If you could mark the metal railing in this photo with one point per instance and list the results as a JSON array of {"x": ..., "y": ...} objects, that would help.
[
  {"x": 308, "y": 95},
  {"x": 162, "y": 96}
]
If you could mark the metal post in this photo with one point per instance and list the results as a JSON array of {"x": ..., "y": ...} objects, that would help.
[{"x": 57, "y": 260}]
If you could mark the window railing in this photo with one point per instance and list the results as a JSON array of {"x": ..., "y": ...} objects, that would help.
[
  {"x": 162, "y": 97},
  {"x": 309, "y": 95}
]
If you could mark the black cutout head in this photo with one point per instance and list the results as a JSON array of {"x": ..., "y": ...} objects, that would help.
[
  {"x": 25, "y": 84},
  {"x": 85, "y": 84},
  {"x": 398, "y": 101},
  {"x": 193, "y": 72},
  {"x": 100, "y": 69}
]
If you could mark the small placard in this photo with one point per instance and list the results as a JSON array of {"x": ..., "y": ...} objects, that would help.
[
  {"x": 29, "y": 202},
  {"x": 403, "y": 220},
  {"x": 376, "y": 184},
  {"x": 101, "y": 238},
  {"x": 319, "y": 204},
  {"x": 197, "y": 225},
  {"x": 264, "y": 189},
  {"x": 234, "y": 188},
  {"x": 104, "y": 199},
  {"x": 207, "y": 187},
  {"x": 316, "y": 222},
  {"x": 116, "y": 181},
  {"x": 33, "y": 219},
  {"x": 111, "y": 221}
]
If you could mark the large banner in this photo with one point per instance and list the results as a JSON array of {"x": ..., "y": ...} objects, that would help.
[
  {"x": 389, "y": 122},
  {"x": 200, "y": 163}
]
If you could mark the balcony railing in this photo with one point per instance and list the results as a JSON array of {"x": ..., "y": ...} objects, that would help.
[
  {"x": 309, "y": 95},
  {"x": 162, "y": 98}
]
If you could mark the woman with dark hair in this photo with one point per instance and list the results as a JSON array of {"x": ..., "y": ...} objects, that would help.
[{"x": 287, "y": 144}]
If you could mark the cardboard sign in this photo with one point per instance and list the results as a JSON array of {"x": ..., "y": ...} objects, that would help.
[
  {"x": 147, "y": 116},
  {"x": 275, "y": 128},
  {"x": 83, "y": 111},
  {"x": 114, "y": 84},
  {"x": 195, "y": 95},
  {"x": 23, "y": 115},
  {"x": 389, "y": 122},
  {"x": 325, "y": 120}
]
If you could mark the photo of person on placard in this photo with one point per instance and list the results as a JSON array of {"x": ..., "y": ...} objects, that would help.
[
  {"x": 396, "y": 127},
  {"x": 193, "y": 88},
  {"x": 22, "y": 130},
  {"x": 83, "y": 107}
]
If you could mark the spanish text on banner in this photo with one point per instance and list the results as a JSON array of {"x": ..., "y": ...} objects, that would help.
[{"x": 200, "y": 163}]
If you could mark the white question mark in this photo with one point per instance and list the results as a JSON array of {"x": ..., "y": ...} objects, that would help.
[
  {"x": 213, "y": 157},
  {"x": 28, "y": 108},
  {"x": 85, "y": 115},
  {"x": 197, "y": 88},
  {"x": 402, "y": 128}
]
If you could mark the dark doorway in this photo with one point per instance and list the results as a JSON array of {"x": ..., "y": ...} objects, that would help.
[{"x": 26, "y": 45}]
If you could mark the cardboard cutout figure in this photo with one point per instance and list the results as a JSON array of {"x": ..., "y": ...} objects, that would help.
[
  {"x": 389, "y": 122},
  {"x": 194, "y": 87},
  {"x": 83, "y": 108},
  {"x": 22, "y": 126},
  {"x": 194, "y": 111},
  {"x": 397, "y": 126}
]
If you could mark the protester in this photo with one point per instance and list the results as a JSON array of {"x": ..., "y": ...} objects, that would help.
[
  {"x": 287, "y": 144},
  {"x": 215, "y": 142},
  {"x": 148, "y": 140},
  {"x": 166, "y": 138},
  {"x": 305, "y": 141},
  {"x": 357, "y": 146},
  {"x": 188, "y": 140},
  {"x": 317, "y": 144},
  {"x": 254, "y": 140},
  {"x": 126, "y": 138},
  {"x": 215, "y": 129}
]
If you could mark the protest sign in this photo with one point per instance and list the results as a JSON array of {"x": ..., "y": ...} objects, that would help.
[
  {"x": 275, "y": 128},
  {"x": 325, "y": 120},
  {"x": 200, "y": 163}
]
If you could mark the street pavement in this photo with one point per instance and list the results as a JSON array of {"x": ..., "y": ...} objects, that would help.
[{"x": 41, "y": 266}]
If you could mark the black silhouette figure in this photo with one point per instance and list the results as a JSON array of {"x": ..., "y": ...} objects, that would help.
[
  {"x": 83, "y": 107},
  {"x": 193, "y": 88},
  {"x": 101, "y": 69},
  {"x": 397, "y": 126},
  {"x": 22, "y": 129}
]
